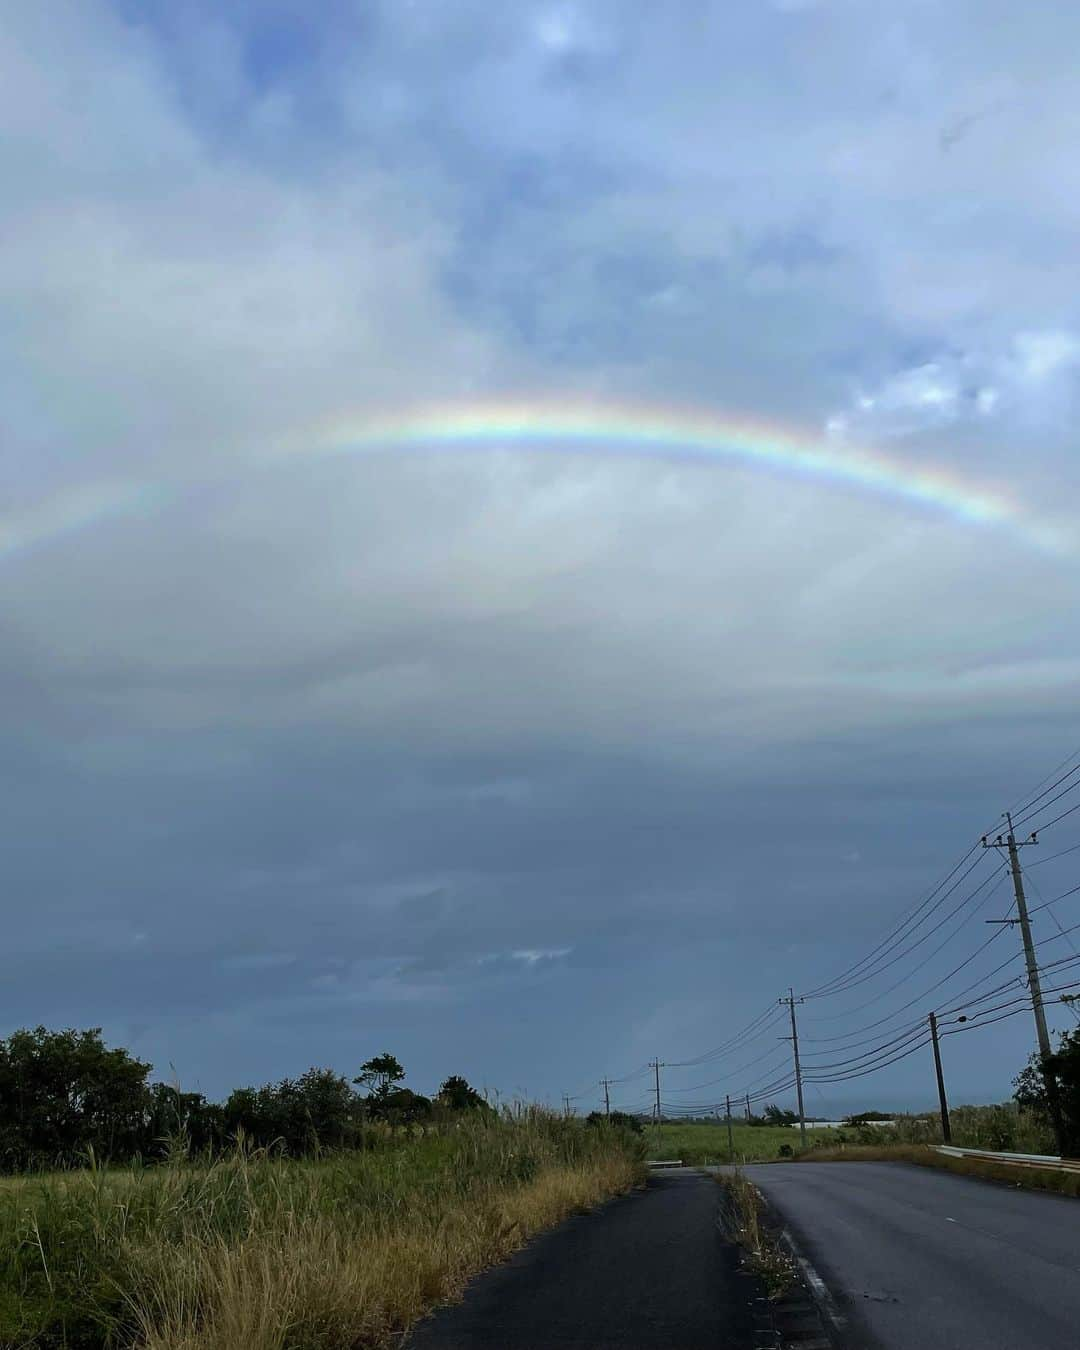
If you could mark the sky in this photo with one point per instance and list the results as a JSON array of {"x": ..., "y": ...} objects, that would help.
[{"x": 533, "y": 757}]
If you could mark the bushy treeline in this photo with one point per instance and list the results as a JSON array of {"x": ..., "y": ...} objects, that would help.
[{"x": 65, "y": 1095}]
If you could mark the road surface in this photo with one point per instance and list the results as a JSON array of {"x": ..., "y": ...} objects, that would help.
[
  {"x": 919, "y": 1259},
  {"x": 644, "y": 1272}
]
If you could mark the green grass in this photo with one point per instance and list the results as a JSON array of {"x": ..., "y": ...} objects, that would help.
[
  {"x": 698, "y": 1144},
  {"x": 270, "y": 1254}
]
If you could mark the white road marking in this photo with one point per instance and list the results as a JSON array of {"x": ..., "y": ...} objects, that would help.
[{"x": 818, "y": 1287}]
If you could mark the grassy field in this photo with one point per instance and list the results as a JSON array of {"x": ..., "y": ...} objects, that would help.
[
  {"x": 700, "y": 1143},
  {"x": 1000, "y": 1126},
  {"x": 271, "y": 1254}
]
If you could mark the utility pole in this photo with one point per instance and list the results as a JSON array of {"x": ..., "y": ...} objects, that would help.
[
  {"x": 748, "y": 1117},
  {"x": 605, "y": 1083},
  {"x": 1053, "y": 1100},
  {"x": 657, "y": 1065},
  {"x": 566, "y": 1105},
  {"x": 730, "y": 1139},
  {"x": 791, "y": 1000},
  {"x": 946, "y": 1127}
]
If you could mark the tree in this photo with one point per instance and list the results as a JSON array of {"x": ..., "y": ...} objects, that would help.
[
  {"x": 618, "y": 1120},
  {"x": 380, "y": 1074},
  {"x": 63, "y": 1093},
  {"x": 327, "y": 1107},
  {"x": 1030, "y": 1086},
  {"x": 402, "y": 1106},
  {"x": 456, "y": 1095},
  {"x": 317, "y": 1110},
  {"x": 775, "y": 1115},
  {"x": 188, "y": 1116}
]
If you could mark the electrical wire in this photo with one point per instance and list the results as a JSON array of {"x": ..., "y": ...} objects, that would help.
[
  {"x": 899, "y": 956},
  {"x": 1047, "y": 903},
  {"x": 740, "y": 1038},
  {"x": 895, "y": 947},
  {"x": 1040, "y": 862},
  {"x": 1028, "y": 798},
  {"x": 994, "y": 936},
  {"x": 849, "y": 1012},
  {"x": 873, "y": 1068},
  {"x": 728, "y": 1078},
  {"x": 833, "y": 986},
  {"x": 1026, "y": 811},
  {"x": 1047, "y": 823},
  {"x": 918, "y": 1029}
]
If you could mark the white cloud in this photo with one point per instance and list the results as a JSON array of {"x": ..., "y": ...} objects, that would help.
[
  {"x": 1040, "y": 356},
  {"x": 1029, "y": 378},
  {"x": 534, "y": 956}
]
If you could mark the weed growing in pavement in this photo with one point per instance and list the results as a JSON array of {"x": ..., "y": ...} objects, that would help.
[{"x": 743, "y": 1220}]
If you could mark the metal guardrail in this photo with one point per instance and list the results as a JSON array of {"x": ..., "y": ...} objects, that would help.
[{"x": 1051, "y": 1160}]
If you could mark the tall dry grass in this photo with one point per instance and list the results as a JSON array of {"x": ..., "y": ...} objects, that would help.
[{"x": 266, "y": 1253}]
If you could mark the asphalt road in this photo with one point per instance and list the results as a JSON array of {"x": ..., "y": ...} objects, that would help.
[
  {"x": 923, "y": 1260},
  {"x": 645, "y": 1271}
]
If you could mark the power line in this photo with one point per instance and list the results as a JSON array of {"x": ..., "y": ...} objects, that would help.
[
  {"x": 849, "y": 1012},
  {"x": 1047, "y": 903},
  {"x": 924, "y": 995},
  {"x": 1047, "y": 823},
  {"x": 899, "y": 956},
  {"x": 1028, "y": 813},
  {"x": 1041, "y": 862},
  {"x": 906, "y": 936},
  {"x": 873, "y": 1068},
  {"x": 1025, "y": 812},
  {"x": 1021, "y": 804},
  {"x": 730, "y": 1077},
  {"x": 831, "y": 986},
  {"x": 915, "y": 1030},
  {"x": 734, "y": 1042}
]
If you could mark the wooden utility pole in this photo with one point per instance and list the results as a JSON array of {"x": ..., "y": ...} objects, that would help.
[
  {"x": 657, "y": 1065},
  {"x": 946, "y": 1127},
  {"x": 791, "y": 1000},
  {"x": 1042, "y": 1036},
  {"x": 605, "y": 1083},
  {"x": 730, "y": 1137}
]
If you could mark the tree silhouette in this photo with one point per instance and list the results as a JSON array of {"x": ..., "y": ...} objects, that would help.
[{"x": 380, "y": 1074}]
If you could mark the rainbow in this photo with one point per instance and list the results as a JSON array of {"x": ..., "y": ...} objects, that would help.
[
  {"x": 587, "y": 428},
  {"x": 664, "y": 432}
]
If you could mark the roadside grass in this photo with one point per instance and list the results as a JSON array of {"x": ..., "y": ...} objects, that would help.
[
  {"x": 700, "y": 1143},
  {"x": 1023, "y": 1176},
  {"x": 742, "y": 1217},
  {"x": 998, "y": 1126},
  {"x": 269, "y": 1253}
]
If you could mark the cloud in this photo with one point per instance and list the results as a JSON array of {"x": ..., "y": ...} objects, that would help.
[
  {"x": 350, "y": 746},
  {"x": 1031, "y": 380}
]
